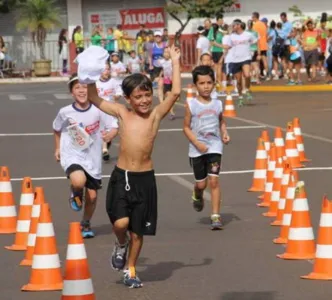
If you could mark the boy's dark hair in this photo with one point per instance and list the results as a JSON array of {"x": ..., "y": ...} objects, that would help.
[
  {"x": 134, "y": 81},
  {"x": 72, "y": 81},
  {"x": 202, "y": 71},
  {"x": 256, "y": 14},
  {"x": 205, "y": 54},
  {"x": 283, "y": 14}
]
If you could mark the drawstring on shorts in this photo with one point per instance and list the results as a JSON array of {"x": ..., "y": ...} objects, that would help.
[{"x": 127, "y": 187}]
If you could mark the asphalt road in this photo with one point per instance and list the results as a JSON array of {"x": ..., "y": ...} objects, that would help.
[{"x": 185, "y": 260}]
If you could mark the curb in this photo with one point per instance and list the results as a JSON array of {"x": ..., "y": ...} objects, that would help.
[{"x": 33, "y": 80}]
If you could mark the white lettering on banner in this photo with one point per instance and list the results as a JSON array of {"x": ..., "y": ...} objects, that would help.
[{"x": 150, "y": 18}]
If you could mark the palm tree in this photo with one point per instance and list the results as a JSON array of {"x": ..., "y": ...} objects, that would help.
[{"x": 38, "y": 16}]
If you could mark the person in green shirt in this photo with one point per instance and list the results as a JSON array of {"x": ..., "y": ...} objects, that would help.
[
  {"x": 96, "y": 37},
  {"x": 255, "y": 53},
  {"x": 110, "y": 42},
  {"x": 215, "y": 37}
]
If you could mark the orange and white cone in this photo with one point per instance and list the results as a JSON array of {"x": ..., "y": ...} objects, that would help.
[
  {"x": 291, "y": 148},
  {"x": 266, "y": 138},
  {"x": 190, "y": 92},
  {"x": 24, "y": 215},
  {"x": 275, "y": 195},
  {"x": 323, "y": 262},
  {"x": 280, "y": 143},
  {"x": 301, "y": 243},
  {"x": 45, "y": 271},
  {"x": 287, "y": 216},
  {"x": 8, "y": 214},
  {"x": 299, "y": 140},
  {"x": 269, "y": 177},
  {"x": 39, "y": 199},
  {"x": 283, "y": 194},
  {"x": 259, "y": 178},
  {"x": 77, "y": 283},
  {"x": 229, "y": 107}
]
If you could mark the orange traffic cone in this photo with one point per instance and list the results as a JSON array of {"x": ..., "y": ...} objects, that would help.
[
  {"x": 23, "y": 222},
  {"x": 229, "y": 108},
  {"x": 190, "y": 92},
  {"x": 266, "y": 138},
  {"x": 275, "y": 195},
  {"x": 301, "y": 244},
  {"x": 269, "y": 177},
  {"x": 45, "y": 271},
  {"x": 39, "y": 199},
  {"x": 8, "y": 214},
  {"x": 299, "y": 140},
  {"x": 260, "y": 168},
  {"x": 323, "y": 262},
  {"x": 291, "y": 148},
  {"x": 287, "y": 216},
  {"x": 283, "y": 194},
  {"x": 77, "y": 282},
  {"x": 280, "y": 143}
]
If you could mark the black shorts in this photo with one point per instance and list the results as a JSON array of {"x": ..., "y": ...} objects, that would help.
[
  {"x": 226, "y": 68},
  {"x": 79, "y": 50},
  {"x": 206, "y": 165},
  {"x": 321, "y": 56},
  {"x": 296, "y": 61},
  {"x": 138, "y": 202},
  {"x": 237, "y": 67},
  {"x": 91, "y": 182},
  {"x": 216, "y": 56},
  {"x": 264, "y": 53},
  {"x": 254, "y": 56},
  {"x": 311, "y": 57},
  {"x": 155, "y": 73},
  {"x": 167, "y": 87}
]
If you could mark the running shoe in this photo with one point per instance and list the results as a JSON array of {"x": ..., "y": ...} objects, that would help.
[
  {"x": 87, "y": 232},
  {"x": 106, "y": 155},
  {"x": 76, "y": 200},
  {"x": 198, "y": 203},
  {"x": 119, "y": 256},
  {"x": 291, "y": 82},
  {"x": 216, "y": 222},
  {"x": 240, "y": 101},
  {"x": 248, "y": 96},
  {"x": 131, "y": 279}
]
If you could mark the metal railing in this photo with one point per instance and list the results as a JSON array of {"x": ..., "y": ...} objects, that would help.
[{"x": 21, "y": 55}]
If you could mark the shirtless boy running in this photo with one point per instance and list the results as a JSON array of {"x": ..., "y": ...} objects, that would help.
[{"x": 132, "y": 193}]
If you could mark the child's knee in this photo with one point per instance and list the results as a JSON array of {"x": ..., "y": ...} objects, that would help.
[
  {"x": 92, "y": 196},
  {"x": 121, "y": 224},
  {"x": 78, "y": 179},
  {"x": 135, "y": 237},
  {"x": 201, "y": 185},
  {"x": 214, "y": 182}
]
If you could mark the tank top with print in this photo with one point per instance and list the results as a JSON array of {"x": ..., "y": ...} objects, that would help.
[{"x": 205, "y": 125}]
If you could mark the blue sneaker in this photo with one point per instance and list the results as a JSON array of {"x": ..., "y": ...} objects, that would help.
[
  {"x": 119, "y": 256},
  {"x": 131, "y": 280},
  {"x": 76, "y": 200},
  {"x": 216, "y": 222},
  {"x": 87, "y": 233}
]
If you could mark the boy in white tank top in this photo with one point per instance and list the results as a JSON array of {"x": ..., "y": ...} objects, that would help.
[{"x": 206, "y": 131}]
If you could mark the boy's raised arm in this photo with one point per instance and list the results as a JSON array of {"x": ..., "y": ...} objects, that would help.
[
  {"x": 105, "y": 106},
  {"x": 163, "y": 108}
]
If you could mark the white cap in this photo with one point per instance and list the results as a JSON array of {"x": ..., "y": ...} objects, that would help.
[{"x": 158, "y": 32}]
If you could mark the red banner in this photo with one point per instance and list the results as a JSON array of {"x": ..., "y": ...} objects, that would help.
[{"x": 150, "y": 17}]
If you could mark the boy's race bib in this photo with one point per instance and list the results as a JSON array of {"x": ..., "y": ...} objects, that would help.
[{"x": 81, "y": 139}]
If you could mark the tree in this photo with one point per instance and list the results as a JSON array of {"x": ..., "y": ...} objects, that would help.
[
  {"x": 38, "y": 16},
  {"x": 184, "y": 11}
]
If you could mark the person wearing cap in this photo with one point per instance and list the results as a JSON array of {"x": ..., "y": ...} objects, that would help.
[
  {"x": 156, "y": 53},
  {"x": 261, "y": 29},
  {"x": 118, "y": 69},
  {"x": 202, "y": 44}
]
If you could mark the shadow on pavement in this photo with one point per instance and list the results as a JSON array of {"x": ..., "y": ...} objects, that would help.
[
  {"x": 249, "y": 296},
  {"x": 226, "y": 218},
  {"x": 164, "y": 270}
]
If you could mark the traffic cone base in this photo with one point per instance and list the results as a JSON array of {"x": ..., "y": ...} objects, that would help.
[
  {"x": 280, "y": 240},
  {"x": 276, "y": 223}
]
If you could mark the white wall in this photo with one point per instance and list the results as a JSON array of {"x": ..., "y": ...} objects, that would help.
[
  {"x": 75, "y": 15},
  {"x": 270, "y": 9}
]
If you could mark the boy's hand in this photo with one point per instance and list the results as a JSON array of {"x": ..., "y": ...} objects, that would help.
[
  {"x": 105, "y": 134},
  {"x": 57, "y": 154},
  {"x": 175, "y": 53},
  {"x": 201, "y": 147},
  {"x": 225, "y": 138}
]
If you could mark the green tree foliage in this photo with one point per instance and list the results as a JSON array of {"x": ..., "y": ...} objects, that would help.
[
  {"x": 185, "y": 10},
  {"x": 38, "y": 16}
]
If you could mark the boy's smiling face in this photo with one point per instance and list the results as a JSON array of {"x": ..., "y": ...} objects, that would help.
[
  {"x": 141, "y": 101},
  {"x": 80, "y": 93}
]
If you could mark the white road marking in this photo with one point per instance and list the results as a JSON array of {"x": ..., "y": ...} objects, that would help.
[
  {"x": 17, "y": 97},
  {"x": 160, "y": 130},
  {"x": 62, "y": 96},
  {"x": 179, "y": 174}
]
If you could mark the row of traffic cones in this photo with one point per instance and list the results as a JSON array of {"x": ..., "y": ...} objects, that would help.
[
  {"x": 228, "y": 108},
  {"x": 285, "y": 197},
  {"x": 34, "y": 234}
]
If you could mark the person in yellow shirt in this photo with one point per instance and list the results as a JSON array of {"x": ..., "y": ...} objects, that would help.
[
  {"x": 118, "y": 36},
  {"x": 78, "y": 39}
]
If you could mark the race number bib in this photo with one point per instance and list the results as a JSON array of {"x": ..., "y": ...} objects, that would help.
[
  {"x": 311, "y": 40},
  {"x": 81, "y": 139}
]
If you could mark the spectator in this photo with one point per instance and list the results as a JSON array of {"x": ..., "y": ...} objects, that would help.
[
  {"x": 118, "y": 36},
  {"x": 96, "y": 37},
  {"x": 63, "y": 50},
  {"x": 78, "y": 39},
  {"x": 165, "y": 37},
  {"x": 110, "y": 42},
  {"x": 287, "y": 29},
  {"x": 207, "y": 26},
  {"x": 202, "y": 44}
]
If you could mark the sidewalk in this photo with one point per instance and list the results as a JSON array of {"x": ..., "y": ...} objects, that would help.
[{"x": 268, "y": 86}]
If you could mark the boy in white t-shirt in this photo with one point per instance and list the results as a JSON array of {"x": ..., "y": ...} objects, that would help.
[
  {"x": 79, "y": 130},
  {"x": 205, "y": 128},
  {"x": 202, "y": 44},
  {"x": 108, "y": 89},
  {"x": 135, "y": 64},
  {"x": 118, "y": 69}
]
